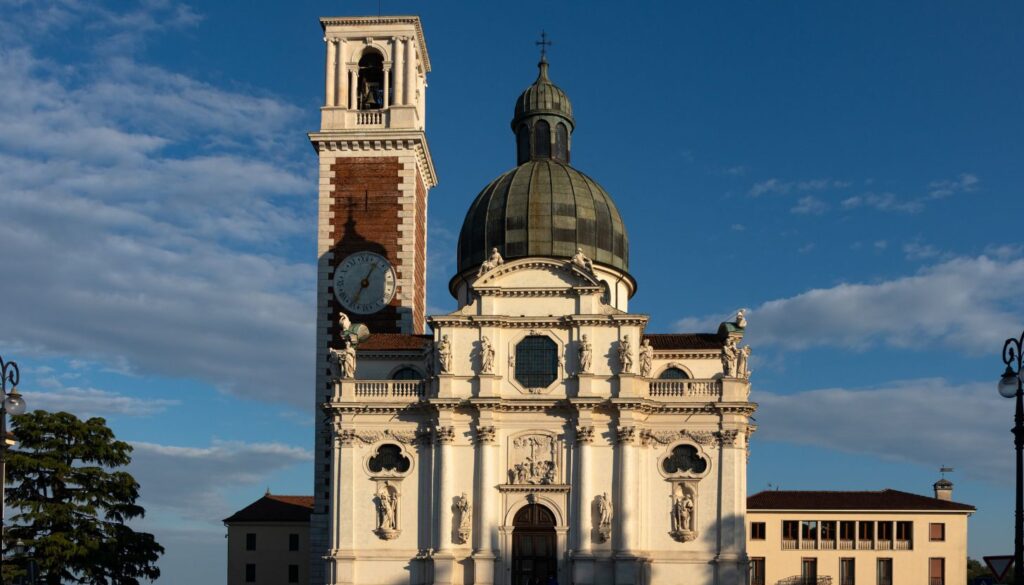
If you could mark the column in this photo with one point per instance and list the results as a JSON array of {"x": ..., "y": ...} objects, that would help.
[
  {"x": 444, "y": 565},
  {"x": 342, "y": 540},
  {"x": 585, "y": 495},
  {"x": 627, "y": 512},
  {"x": 332, "y": 71},
  {"x": 486, "y": 508},
  {"x": 342, "y": 96},
  {"x": 398, "y": 50},
  {"x": 410, "y": 72},
  {"x": 352, "y": 86},
  {"x": 387, "y": 84}
]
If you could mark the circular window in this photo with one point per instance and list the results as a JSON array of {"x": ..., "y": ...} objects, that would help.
[
  {"x": 536, "y": 361},
  {"x": 673, "y": 374}
]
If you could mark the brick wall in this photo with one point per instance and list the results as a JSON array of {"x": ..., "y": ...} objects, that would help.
[{"x": 420, "y": 301}]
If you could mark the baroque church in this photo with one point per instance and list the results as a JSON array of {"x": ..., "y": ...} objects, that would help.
[{"x": 539, "y": 433}]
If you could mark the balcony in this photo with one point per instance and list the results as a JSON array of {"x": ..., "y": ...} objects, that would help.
[
  {"x": 789, "y": 545},
  {"x": 827, "y": 544},
  {"x": 904, "y": 545},
  {"x": 702, "y": 389},
  {"x": 384, "y": 390},
  {"x": 847, "y": 545}
]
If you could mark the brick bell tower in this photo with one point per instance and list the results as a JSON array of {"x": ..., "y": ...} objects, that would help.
[{"x": 375, "y": 173}]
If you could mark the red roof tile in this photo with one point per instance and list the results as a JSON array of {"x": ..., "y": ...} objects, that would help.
[
  {"x": 393, "y": 341},
  {"x": 822, "y": 500},
  {"x": 684, "y": 340},
  {"x": 274, "y": 508}
]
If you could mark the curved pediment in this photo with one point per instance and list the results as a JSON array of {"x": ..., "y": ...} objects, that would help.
[{"x": 535, "y": 274}]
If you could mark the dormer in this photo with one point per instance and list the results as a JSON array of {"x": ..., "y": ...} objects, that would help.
[{"x": 376, "y": 73}]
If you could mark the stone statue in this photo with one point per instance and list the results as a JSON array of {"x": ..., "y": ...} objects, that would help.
[
  {"x": 743, "y": 363},
  {"x": 626, "y": 355},
  {"x": 465, "y": 510},
  {"x": 586, "y": 354},
  {"x": 486, "y": 357},
  {"x": 336, "y": 360},
  {"x": 493, "y": 262},
  {"x": 646, "y": 358},
  {"x": 348, "y": 369},
  {"x": 741, "y": 319},
  {"x": 604, "y": 517},
  {"x": 444, "y": 355},
  {"x": 581, "y": 260},
  {"x": 387, "y": 512},
  {"x": 344, "y": 323},
  {"x": 729, "y": 355},
  {"x": 682, "y": 516}
]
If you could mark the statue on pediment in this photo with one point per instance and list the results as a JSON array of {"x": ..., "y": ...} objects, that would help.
[{"x": 493, "y": 262}]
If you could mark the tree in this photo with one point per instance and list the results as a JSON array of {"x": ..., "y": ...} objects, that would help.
[{"x": 71, "y": 506}]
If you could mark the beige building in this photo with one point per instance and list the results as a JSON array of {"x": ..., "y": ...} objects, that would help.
[
  {"x": 268, "y": 541},
  {"x": 883, "y": 537}
]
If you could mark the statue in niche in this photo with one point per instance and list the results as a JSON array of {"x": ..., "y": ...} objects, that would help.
[
  {"x": 586, "y": 354},
  {"x": 741, "y": 319},
  {"x": 536, "y": 456},
  {"x": 729, "y": 356},
  {"x": 626, "y": 355},
  {"x": 743, "y": 363},
  {"x": 493, "y": 262},
  {"x": 682, "y": 515},
  {"x": 387, "y": 512},
  {"x": 580, "y": 259},
  {"x": 444, "y": 355},
  {"x": 348, "y": 361},
  {"x": 465, "y": 510},
  {"x": 646, "y": 358},
  {"x": 486, "y": 357},
  {"x": 604, "y": 517}
]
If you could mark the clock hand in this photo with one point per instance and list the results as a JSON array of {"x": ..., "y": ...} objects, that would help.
[{"x": 363, "y": 284}]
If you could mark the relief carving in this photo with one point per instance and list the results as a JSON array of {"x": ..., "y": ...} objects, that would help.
[{"x": 535, "y": 457}]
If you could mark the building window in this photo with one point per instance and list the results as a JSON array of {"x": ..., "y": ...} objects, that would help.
[
  {"x": 407, "y": 373},
  {"x": 846, "y": 572},
  {"x": 370, "y": 93},
  {"x": 865, "y": 531},
  {"x": 885, "y": 531},
  {"x": 523, "y": 144},
  {"x": 809, "y": 531},
  {"x": 757, "y": 571},
  {"x": 808, "y": 571},
  {"x": 293, "y": 542},
  {"x": 789, "y": 529},
  {"x": 673, "y": 374},
  {"x": 562, "y": 142},
  {"x": 250, "y": 541},
  {"x": 250, "y": 572},
  {"x": 884, "y": 571},
  {"x": 293, "y": 573},
  {"x": 937, "y": 531},
  {"x": 542, "y": 139},
  {"x": 389, "y": 458},
  {"x": 828, "y": 531},
  {"x": 936, "y": 571},
  {"x": 757, "y": 531},
  {"x": 536, "y": 361},
  {"x": 904, "y": 534}
]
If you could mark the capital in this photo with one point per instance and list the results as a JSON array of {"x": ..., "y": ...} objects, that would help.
[
  {"x": 486, "y": 435},
  {"x": 445, "y": 435},
  {"x": 626, "y": 435},
  {"x": 584, "y": 435}
]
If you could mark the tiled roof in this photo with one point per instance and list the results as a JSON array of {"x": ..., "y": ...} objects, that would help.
[
  {"x": 393, "y": 341},
  {"x": 275, "y": 508},
  {"x": 877, "y": 500},
  {"x": 684, "y": 340}
]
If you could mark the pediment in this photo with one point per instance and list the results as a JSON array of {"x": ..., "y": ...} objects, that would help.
[{"x": 535, "y": 274}]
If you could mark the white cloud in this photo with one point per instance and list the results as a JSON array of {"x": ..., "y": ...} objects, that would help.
[
  {"x": 88, "y": 402},
  {"x": 925, "y": 421},
  {"x": 809, "y": 205},
  {"x": 882, "y": 202},
  {"x": 738, "y": 227},
  {"x": 779, "y": 186},
  {"x": 969, "y": 304},
  {"x": 965, "y": 183},
  {"x": 919, "y": 251}
]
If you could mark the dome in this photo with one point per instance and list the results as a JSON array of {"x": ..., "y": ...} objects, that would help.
[
  {"x": 543, "y": 207},
  {"x": 543, "y": 97}
]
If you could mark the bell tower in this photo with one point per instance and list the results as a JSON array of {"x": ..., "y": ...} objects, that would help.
[{"x": 375, "y": 174}]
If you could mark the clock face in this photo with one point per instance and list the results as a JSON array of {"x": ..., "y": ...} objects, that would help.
[{"x": 364, "y": 283}]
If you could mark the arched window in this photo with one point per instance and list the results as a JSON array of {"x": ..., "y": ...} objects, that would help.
[
  {"x": 370, "y": 91},
  {"x": 536, "y": 361},
  {"x": 673, "y": 374},
  {"x": 542, "y": 139},
  {"x": 523, "y": 144},
  {"x": 407, "y": 373},
  {"x": 562, "y": 142}
]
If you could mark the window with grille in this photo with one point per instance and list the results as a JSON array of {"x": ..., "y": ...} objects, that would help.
[
  {"x": 293, "y": 573},
  {"x": 936, "y": 571},
  {"x": 250, "y": 572},
  {"x": 536, "y": 361}
]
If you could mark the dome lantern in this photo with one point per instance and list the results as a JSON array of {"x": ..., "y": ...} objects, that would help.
[{"x": 542, "y": 121}]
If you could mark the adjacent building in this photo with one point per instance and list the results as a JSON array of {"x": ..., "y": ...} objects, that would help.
[
  {"x": 886, "y": 537},
  {"x": 268, "y": 541}
]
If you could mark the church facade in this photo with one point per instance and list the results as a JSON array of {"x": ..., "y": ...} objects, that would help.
[{"x": 538, "y": 433}]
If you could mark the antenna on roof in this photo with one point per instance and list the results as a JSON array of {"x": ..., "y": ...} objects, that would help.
[
  {"x": 268, "y": 491},
  {"x": 944, "y": 470}
]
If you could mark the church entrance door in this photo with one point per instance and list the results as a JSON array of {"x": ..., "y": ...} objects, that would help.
[{"x": 534, "y": 559}]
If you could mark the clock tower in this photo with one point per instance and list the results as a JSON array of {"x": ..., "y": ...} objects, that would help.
[{"x": 375, "y": 173}]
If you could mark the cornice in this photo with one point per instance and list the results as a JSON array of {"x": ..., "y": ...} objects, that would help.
[
  {"x": 326, "y": 21},
  {"x": 382, "y": 139},
  {"x": 509, "y": 322}
]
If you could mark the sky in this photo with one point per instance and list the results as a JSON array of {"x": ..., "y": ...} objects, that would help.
[{"x": 848, "y": 172}]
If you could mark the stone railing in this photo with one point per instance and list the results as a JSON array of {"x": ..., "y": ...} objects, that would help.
[
  {"x": 685, "y": 388},
  {"x": 391, "y": 390},
  {"x": 370, "y": 117}
]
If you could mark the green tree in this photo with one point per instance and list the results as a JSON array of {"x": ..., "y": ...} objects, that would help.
[{"x": 71, "y": 506}]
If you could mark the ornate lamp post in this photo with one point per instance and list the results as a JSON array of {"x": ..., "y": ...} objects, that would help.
[
  {"x": 1012, "y": 386},
  {"x": 10, "y": 403}
]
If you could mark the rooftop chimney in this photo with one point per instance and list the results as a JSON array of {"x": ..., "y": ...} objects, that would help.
[{"x": 944, "y": 490}]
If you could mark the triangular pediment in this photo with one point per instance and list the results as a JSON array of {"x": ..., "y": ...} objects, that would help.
[{"x": 535, "y": 274}]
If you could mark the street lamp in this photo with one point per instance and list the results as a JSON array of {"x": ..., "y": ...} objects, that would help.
[
  {"x": 1012, "y": 386},
  {"x": 12, "y": 403}
]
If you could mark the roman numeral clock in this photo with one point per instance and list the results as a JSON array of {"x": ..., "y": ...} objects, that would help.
[{"x": 364, "y": 283}]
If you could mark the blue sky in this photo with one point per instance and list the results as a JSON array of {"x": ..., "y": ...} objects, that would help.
[{"x": 848, "y": 172}]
